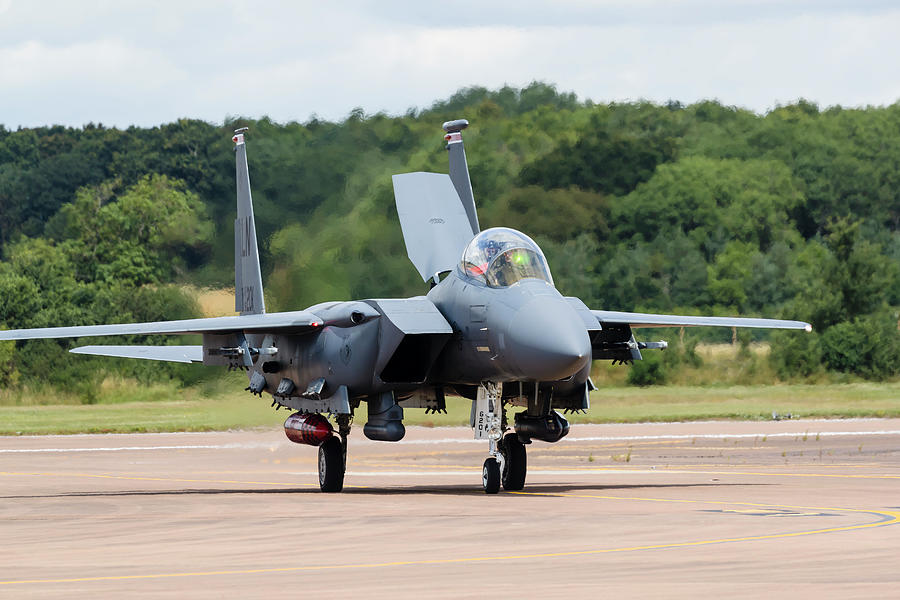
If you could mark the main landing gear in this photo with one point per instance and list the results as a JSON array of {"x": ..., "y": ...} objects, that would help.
[
  {"x": 331, "y": 465},
  {"x": 507, "y": 463},
  {"x": 333, "y": 457}
]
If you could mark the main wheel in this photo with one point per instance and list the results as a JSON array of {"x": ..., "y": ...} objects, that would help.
[
  {"x": 331, "y": 465},
  {"x": 490, "y": 476},
  {"x": 515, "y": 463}
]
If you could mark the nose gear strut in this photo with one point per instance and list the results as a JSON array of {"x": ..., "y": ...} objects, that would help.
[{"x": 506, "y": 463}]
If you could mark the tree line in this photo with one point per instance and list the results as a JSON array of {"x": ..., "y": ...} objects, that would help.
[{"x": 697, "y": 209}]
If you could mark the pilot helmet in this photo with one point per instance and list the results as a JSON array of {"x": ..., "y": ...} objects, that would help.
[{"x": 491, "y": 249}]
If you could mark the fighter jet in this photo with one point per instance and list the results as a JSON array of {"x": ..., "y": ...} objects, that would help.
[{"x": 492, "y": 328}]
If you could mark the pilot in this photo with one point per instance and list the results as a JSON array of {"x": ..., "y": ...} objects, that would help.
[
  {"x": 510, "y": 267},
  {"x": 501, "y": 270},
  {"x": 489, "y": 250}
]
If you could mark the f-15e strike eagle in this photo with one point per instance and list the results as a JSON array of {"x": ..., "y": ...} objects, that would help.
[{"x": 493, "y": 328}]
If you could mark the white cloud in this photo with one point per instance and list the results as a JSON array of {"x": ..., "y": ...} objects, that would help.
[
  {"x": 128, "y": 62},
  {"x": 103, "y": 63}
]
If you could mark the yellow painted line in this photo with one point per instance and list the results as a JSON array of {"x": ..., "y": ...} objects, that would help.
[
  {"x": 676, "y": 470},
  {"x": 762, "y": 474},
  {"x": 384, "y": 455},
  {"x": 413, "y": 466},
  {"x": 890, "y": 518},
  {"x": 172, "y": 479},
  {"x": 814, "y": 464},
  {"x": 133, "y": 478}
]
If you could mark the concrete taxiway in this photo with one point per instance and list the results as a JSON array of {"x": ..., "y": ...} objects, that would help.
[{"x": 743, "y": 510}]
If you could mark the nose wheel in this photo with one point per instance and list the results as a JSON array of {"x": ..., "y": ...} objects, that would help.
[{"x": 490, "y": 476}]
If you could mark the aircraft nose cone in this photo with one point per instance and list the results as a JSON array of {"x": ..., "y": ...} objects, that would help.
[{"x": 547, "y": 340}]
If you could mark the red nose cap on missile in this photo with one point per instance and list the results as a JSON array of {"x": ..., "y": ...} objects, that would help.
[{"x": 547, "y": 340}]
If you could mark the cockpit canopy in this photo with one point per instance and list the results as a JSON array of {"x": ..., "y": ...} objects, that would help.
[{"x": 500, "y": 257}]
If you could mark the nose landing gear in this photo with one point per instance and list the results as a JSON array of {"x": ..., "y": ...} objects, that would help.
[{"x": 507, "y": 462}]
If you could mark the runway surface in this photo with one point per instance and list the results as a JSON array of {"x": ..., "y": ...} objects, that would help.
[{"x": 741, "y": 510}]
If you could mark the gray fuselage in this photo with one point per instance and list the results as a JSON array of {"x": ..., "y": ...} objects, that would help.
[{"x": 524, "y": 332}]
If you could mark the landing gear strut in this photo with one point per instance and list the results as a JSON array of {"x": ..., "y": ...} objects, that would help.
[{"x": 487, "y": 420}]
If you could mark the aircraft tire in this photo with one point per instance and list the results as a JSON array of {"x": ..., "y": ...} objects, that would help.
[
  {"x": 490, "y": 476},
  {"x": 331, "y": 465},
  {"x": 516, "y": 463}
]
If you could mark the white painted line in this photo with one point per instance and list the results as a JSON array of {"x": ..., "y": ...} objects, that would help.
[
  {"x": 446, "y": 441},
  {"x": 798, "y": 422},
  {"x": 120, "y": 435},
  {"x": 713, "y": 436},
  {"x": 699, "y": 436},
  {"x": 137, "y": 448}
]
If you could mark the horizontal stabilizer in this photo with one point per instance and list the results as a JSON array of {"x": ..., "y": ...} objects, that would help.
[
  {"x": 435, "y": 225},
  {"x": 288, "y": 322},
  {"x": 610, "y": 317},
  {"x": 182, "y": 354}
]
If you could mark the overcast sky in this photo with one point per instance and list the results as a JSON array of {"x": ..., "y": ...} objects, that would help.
[{"x": 120, "y": 63}]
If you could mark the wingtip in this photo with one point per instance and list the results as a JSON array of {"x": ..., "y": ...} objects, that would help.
[{"x": 808, "y": 328}]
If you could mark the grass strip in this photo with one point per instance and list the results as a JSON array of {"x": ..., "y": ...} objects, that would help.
[{"x": 237, "y": 410}]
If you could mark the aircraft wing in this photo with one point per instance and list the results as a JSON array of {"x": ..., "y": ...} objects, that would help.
[
  {"x": 286, "y": 322},
  {"x": 182, "y": 354},
  {"x": 611, "y": 317}
]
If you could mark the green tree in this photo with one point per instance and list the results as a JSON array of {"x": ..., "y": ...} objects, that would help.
[
  {"x": 845, "y": 277},
  {"x": 651, "y": 370},
  {"x": 868, "y": 346},
  {"x": 605, "y": 158},
  {"x": 731, "y": 274},
  {"x": 712, "y": 202},
  {"x": 151, "y": 232}
]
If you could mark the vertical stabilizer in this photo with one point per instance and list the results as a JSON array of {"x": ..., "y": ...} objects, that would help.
[
  {"x": 459, "y": 169},
  {"x": 248, "y": 291}
]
